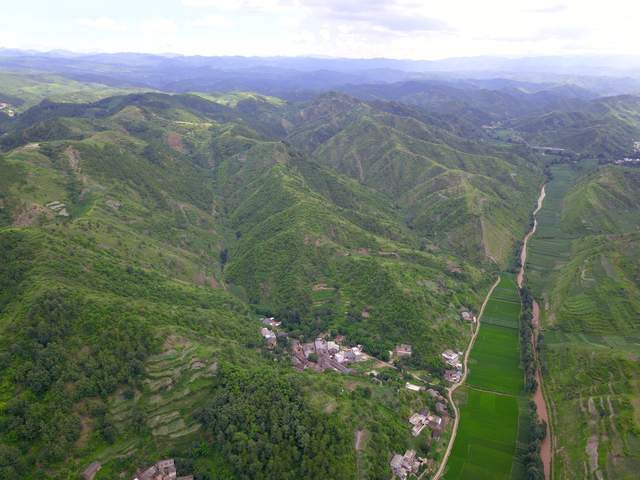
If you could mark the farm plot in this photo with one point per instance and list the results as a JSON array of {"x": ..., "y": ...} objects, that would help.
[
  {"x": 503, "y": 308},
  {"x": 494, "y": 363},
  {"x": 486, "y": 442},
  {"x": 492, "y": 402},
  {"x": 550, "y": 248}
]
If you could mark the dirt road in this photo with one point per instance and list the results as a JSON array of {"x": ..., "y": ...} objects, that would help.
[{"x": 453, "y": 388}]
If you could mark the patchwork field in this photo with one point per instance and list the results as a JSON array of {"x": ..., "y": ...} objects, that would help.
[{"x": 491, "y": 405}]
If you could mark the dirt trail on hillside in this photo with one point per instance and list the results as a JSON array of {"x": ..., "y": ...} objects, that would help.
[{"x": 538, "y": 397}]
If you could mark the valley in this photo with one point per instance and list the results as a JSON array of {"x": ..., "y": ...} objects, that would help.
[{"x": 361, "y": 282}]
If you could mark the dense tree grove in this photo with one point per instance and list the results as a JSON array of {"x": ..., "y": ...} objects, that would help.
[
  {"x": 59, "y": 356},
  {"x": 536, "y": 429},
  {"x": 526, "y": 341},
  {"x": 265, "y": 428},
  {"x": 536, "y": 432}
]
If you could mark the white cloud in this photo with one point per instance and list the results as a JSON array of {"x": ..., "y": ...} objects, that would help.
[
  {"x": 101, "y": 23},
  {"x": 158, "y": 26},
  {"x": 214, "y": 21},
  {"x": 230, "y": 5}
]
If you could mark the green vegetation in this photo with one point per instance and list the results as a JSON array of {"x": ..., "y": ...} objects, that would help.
[
  {"x": 488, "y": 443},
  {"x": 494, "y": 362},
  {"x": 583, "y": 268},
  {"x": 286, "y": 440},
  {"x": 24, "y": 90},
  {"x": 465, "y": 184},
  {"x": 604, "y": 128},
  {"x": 142, "y": 235},
  {"x": 485, "y": 445},
  {"x": 136, "y": 309}
]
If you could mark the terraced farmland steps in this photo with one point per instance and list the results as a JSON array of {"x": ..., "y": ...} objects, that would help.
[{"x": 538, "y": 396}]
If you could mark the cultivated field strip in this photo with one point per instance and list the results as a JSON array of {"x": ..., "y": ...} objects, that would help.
[{"x": 491, "y": 401}]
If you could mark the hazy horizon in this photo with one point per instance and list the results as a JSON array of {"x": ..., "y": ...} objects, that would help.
[{"x": 396, "y": 29}]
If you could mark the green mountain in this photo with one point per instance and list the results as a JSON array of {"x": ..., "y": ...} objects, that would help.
[
  {"x": 142, "y": 235},
  {"x": 605, "y": 128},
  {"x": 464, "y": 196}
]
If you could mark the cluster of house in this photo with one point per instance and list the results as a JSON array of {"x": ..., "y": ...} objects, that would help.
[
  {"x": 468, "y": 316},
  {"x": 421, "y": 420},
  {"x": 401, "y": 351},
  {"x": 627, "y": 161},
  {"x": 58, "y": 207},
  {"x": 162, "y": 470},
  {"x": 6, "y": 108},
  {"x": 321, "y": 354},
  {"x": 269, "y": 331},
  {"x": 453, "y": 360},
  {"x": 404, "y": 465},
  {"x": 634, "y": 160}
]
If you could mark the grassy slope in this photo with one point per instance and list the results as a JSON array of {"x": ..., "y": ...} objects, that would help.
[
  {"x": 583, "y": 264},
  {"x": 22, "y": 91},
  {"x": 467, "y": 186}
]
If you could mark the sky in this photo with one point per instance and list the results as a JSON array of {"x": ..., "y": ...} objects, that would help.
[{"x": 407, "y": 29}]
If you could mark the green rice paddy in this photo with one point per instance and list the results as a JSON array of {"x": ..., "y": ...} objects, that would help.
[
  {"x": 486, "y": 441},
  {"x": 494, "y": 362},
  {"x": 490, "y": 403}
]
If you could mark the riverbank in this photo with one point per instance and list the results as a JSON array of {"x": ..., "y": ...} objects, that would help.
[{"x": 538, "y": 397}]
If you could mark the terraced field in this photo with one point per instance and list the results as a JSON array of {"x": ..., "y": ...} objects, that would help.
[
  {"x": 587, "y": 281},
  {"x": 550, "y": 248},
  {"x": 175, "y": 381},
  {"x": 492, "y": 401}
]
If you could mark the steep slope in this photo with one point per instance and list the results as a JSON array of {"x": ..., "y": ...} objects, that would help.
[{"x": 435, "y": 176}]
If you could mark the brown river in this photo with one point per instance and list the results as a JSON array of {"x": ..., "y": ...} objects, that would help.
[{"x": 538, "y": 398}]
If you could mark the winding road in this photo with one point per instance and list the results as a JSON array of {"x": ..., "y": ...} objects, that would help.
[
  {"x": 453, "y": 387},
  {"x": 538, "y": 397}
]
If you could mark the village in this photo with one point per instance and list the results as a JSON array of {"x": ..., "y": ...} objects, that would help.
[
  {"x": 6, "y": 108},
  {"x": 633, "y": 159},
  {"x": 161, "y": 470},
  {"x": 335, "y": 354}
]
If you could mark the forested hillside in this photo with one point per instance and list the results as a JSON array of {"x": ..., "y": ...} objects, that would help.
[
  {"x": 605, "y": 128},
  {"x": 141, "y": 236}
]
